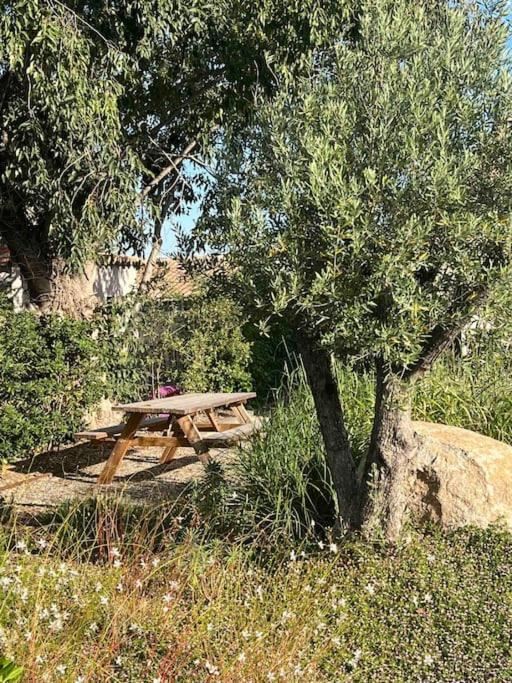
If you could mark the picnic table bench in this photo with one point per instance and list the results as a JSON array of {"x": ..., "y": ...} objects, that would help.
[{"x": 182, "y": 421}]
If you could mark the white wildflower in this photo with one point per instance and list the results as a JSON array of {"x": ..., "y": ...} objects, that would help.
[
  {"x": 355, "y": 659},
  {"x": 212, "y": 670},
  {"x": 428, "y": 660},
  {"x": 333, "y": 547}
]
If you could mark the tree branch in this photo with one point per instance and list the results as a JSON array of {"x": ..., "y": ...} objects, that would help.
[
  {"x": 173, "y": 166},
  {"x": 441, "y": 337}
]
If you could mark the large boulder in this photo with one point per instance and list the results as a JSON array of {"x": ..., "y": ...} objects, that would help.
[{"x": 462, "y": 477}]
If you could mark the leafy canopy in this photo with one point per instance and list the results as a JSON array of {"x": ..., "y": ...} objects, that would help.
[
  {"x": 371, "y": 200},
  {"x": 98, "y": 97}
]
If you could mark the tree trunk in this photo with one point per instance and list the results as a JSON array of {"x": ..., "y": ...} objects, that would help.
[
  {"x": 390, "y": 464},
  {"x": 321, "y": 379},
  {"x": 50, "y": 289}
]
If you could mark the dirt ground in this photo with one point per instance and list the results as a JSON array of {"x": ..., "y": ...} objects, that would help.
[{"x": 47, "y": 480}]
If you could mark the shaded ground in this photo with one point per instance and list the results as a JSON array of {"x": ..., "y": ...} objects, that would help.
[{"x": 49, "y": 479}]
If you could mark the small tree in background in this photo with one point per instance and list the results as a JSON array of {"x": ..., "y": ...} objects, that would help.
[{"x": 370, "y": 207}]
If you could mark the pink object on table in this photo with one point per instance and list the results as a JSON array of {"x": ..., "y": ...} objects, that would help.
[{"x": 168, "y": 390}]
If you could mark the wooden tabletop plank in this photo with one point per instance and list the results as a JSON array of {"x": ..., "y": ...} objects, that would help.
[{"x": 186, "y": 404}]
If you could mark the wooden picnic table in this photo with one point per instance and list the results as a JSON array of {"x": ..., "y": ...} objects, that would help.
[{"x": 181, "y": 421}]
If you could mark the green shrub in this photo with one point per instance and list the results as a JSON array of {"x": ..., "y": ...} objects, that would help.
[
  {"x": 9, "y": 672},
  {"x": 195, "y": 343},
  {"x": 271, "y": 354},
  {"x": 49, "y": 377}
]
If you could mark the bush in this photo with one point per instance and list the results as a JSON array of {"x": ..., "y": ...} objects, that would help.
[
  {"x": 194, "y": 343},
  {"x": 49, "y": 377}
]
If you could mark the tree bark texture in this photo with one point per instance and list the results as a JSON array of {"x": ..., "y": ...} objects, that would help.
[
  {"x": 322, "y": 381},
  {"x": 392, "y": 458}
]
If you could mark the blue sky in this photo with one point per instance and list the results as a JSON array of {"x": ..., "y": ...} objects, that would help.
[{"x": 185, "y": 222}]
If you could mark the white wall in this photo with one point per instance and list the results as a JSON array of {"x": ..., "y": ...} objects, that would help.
[
  {"x": 114, "y": 281},
  {"x": 103, "y": 282},
  {"x": 13, "y": 283}
]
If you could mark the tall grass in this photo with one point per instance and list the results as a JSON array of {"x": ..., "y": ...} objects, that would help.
[
  {"x": 474, "y": 393},
  {"x": 282, "y": 482}
]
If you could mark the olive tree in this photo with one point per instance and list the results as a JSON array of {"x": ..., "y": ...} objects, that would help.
[{"x": 370, "y": 207}]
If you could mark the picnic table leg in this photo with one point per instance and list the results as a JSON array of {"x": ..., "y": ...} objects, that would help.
[
  {"x": 240, "y": 411},
  {"x": 169, "y": 452},
  {"x": 213, "y": 419},
  {"x": 194, "y": 437},
  {"x": 122, "y": 445}
]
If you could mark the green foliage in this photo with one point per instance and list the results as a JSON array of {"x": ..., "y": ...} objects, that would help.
[
  {"x": 49, "y": 376},
  {"x": 370, "y": 200},
  {"x": 195, "y": 343},
  {"x": 473, "y": 392},
  {"x": 9, "y": 672},
  {"x": 271, "y": 353},
  {"x": 67, "y": 179}
]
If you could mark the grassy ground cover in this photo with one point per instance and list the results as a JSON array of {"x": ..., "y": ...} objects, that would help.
[{"x": 133, "y": 608}]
